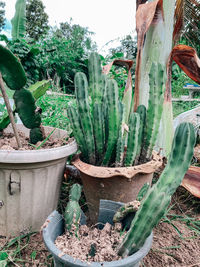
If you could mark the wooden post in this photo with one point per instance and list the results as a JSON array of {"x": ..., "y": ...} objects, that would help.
[{"x": 10, "y": 113}]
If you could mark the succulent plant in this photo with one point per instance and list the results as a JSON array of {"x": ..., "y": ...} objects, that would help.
[
  {"x": 98, "y": 123},
  {"x": 72, "y": 212},
  {"x": 14, "y": 76},
  {"x": 157, "y": 199}
]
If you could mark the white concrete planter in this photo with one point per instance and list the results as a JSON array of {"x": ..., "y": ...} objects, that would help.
[{"x": 30, "y": 184}]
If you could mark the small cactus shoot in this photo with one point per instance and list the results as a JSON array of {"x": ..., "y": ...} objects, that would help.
[{"x": 72, "y": 212}]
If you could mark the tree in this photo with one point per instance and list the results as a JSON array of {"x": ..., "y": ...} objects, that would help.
[
  {"x": 2, "y": 15},
  {"x": 128, "y": 46},
  {"x": 36, "y": 19},
  {"x": 64, "y": 52}
]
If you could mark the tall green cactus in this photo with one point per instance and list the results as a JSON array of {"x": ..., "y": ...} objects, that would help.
[
  {"x": 81, "y": 92},
  {"x": 113, "y": 119},
  {"x": 75, "y": 121},
  {"x": 133, "y": 142},
  {"x": 95, "y": 78},
  {"x": 155, "y": 107},
  {"x": 72, "y": 212},
  {"x": 154, "y": 205},
  {"x": 121, "y": 138},
  {"x": 99, "y": 130},
  {"x": 141, "y": 110}
]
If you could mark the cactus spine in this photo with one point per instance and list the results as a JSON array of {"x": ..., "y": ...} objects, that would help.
[
  {"x": 81, "y": 91},
  {"x": 72, "y": 212},
  {"x": 154, "y": 205},
  {"x": 132, "y": 145},
  {"x": 155, "y": 107}
]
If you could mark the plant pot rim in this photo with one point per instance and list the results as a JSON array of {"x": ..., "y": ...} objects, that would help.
[
  {"x": 76, "y": 262},
  {"x": 40, "y": 155},
  {"x": 126, "y": 172}
]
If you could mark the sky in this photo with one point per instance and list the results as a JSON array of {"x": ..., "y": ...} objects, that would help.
[{"x": 108, "y": 19}]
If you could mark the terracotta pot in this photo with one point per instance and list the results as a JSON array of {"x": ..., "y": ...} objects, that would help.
[{"x": 118, "y": 184}]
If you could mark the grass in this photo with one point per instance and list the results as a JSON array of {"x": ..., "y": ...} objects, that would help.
[
  {"x": 54, "y": 110},
  {"x": 181, "y": 106}
]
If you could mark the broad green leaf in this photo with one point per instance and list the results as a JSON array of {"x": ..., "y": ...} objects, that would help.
[
  {"x": 19, "y": 20},
  {"x": 39, "y": 88},
  {"x": 11, "y": 69}
]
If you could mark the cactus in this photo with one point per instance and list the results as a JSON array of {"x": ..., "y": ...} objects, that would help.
[
  {"x": 121, "y": 139},
  {"x": 72, "y": 212},
  {"x": 74, "y": 118},
  {"x": 141, "y": 110},
  {"x": 133, "y": 142},
  {"x": 95, "y": 78},
  {"x": 155, "y": 203},
  {"x": 81, "y": 92},
  {"x": 100, "y": 118},
  {"x": 113, "y": 119},
  {"x": 99, "y": 131},
  {"x": 155, "y": 108}
]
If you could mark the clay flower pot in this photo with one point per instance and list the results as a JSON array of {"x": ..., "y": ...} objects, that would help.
[
  {"x": 55, "y": 227},
  {"x": 118, "y": 184}
]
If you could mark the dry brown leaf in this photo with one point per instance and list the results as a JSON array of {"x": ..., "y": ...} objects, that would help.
[
  {"x": 187, "y": 59},
  {"x": 191, "y": 181},
  {"x": 146, "y": 15}
]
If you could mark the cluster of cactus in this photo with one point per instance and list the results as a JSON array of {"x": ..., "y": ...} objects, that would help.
[
  {"x": 157, "y": 199},
  {"x": 14, "y": 76},
  {"x": 98, "y": 122},
  {"x": 72, "y": 212}
]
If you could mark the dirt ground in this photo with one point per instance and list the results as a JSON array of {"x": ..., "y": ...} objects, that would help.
[{"x": 176, "y": 239}]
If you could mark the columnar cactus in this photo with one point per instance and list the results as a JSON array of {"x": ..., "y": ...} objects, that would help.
[
  {"x": 72, "y": 212},
  {"x": 155, "y": 107},
  {"x": 81, "y": 91},
  {"x": 132, "y": 144},
  {"x": 155, "y": 203},
  {"x": 113, "y": 119},
  {"x": 99, "y": 122}
]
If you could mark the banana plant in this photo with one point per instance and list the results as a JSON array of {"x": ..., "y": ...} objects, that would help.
[
  {"x": 158, "y": 24},
  {"x": 13, "y": 74}
]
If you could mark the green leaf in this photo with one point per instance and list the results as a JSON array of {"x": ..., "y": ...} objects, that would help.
[
  {"x": 5, "y": 121},
  {"x": 11, "y": 69},
  {"x": 19, "y": 20},
  {"x": 39, "y": 88}
]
